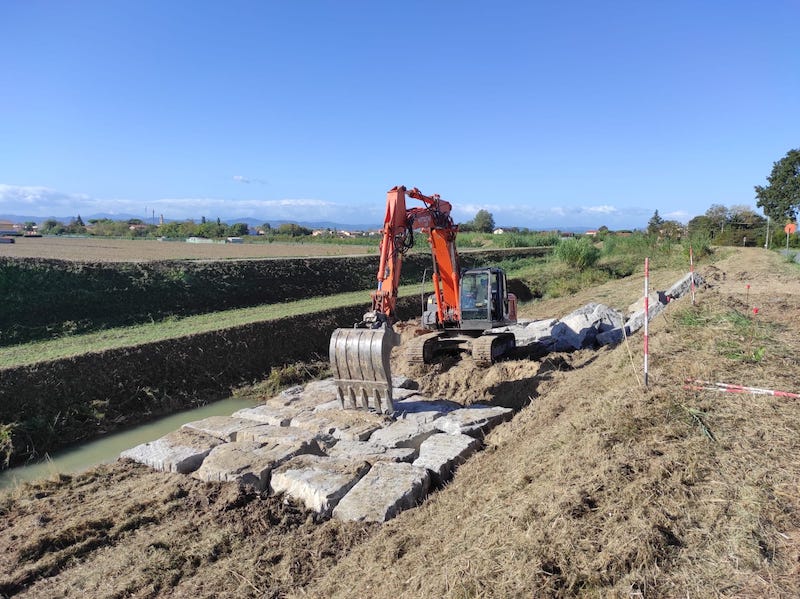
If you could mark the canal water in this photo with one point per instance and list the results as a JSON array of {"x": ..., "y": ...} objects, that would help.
[{"x": 108, "y": 448}]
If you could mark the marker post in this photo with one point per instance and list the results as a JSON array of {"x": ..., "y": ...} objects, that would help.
[{"x": 646, "y": 317}]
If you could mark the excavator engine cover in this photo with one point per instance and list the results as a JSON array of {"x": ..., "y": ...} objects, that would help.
[{"x": 361, "y": 367}]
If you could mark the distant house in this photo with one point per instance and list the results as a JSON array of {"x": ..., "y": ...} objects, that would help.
[
  {"x": 498, "y": 231},
  {"x": 591, "y": 232},
  {"x": 8, "y": 228}
]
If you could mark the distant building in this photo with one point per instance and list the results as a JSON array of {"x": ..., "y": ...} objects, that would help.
[
  {"x": 498, "y": 231},
  {"x": 591, "y": 233},
  {"x": 9, "y": 228}
]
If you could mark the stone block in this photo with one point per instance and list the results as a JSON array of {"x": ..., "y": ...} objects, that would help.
[
  {"x": 404, "y": 433},
  {"x": 423, "y": 409},
  {"x": 370, "y": 452},
  {"x": 248, "y": 463},
  {"x": 267, "y": 433},
  {"x": 579, "y": 329},
  {"x": 306, "y": 397},
  {"x": 683, "y": 285},
  {"x": 318, "y": 482},
  {"x": 655, "y": 297},
  {"x": 475, "y": 420},
  {"x": 180, "y": 451},
  {"x": 636, "y": 321},
  {"x": 353, "y": 425},
  {"x": 222, "y": 427},
  {"x": 442, "y": 454},
  {"x": 386, "y": 490},
  {"x": 276, "y": 416}
]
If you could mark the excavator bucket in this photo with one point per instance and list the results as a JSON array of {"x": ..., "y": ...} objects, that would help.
[{"x": 361, "y": 369}]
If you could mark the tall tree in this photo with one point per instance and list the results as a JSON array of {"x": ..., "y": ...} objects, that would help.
[
  {"x": 483, "y": 222},
  {"x": 780, "y": 200},
  {"x": 718, "y": 215},
  {"x": 654, "y": 224}
]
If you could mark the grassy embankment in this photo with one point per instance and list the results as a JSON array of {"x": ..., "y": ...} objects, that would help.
[{"x": 561, "y": 274}]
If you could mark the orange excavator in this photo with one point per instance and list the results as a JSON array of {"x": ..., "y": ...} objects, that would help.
[{"x": 466, "y": 304}]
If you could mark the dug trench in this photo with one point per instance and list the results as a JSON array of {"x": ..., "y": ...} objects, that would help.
[{"x": 597, "y": 487}]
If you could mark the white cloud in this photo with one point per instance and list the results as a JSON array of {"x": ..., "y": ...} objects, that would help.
[
  {"x": 679, "y": 215},
  {"x": 248, "y": 180},
  {"x": 43, "y": 202}
]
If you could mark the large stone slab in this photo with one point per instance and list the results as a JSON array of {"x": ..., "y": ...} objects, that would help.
[
  {"x": 318, "y": 482},
  {"x": 423, "y": 409},
  {"x": 267, "y": 433},
  {"x": 386, "y": 490},
  {"x": 352, "y": 425},
  {"x": 683, "y": 285},
  {"x": 306, "y": 397},
  {"x": 404, "y": 433},
  {"x": 443, "y": 453},
  {"x": 276, "y": 416},
  {"x": 180, "y": 451},
  {"x": 538, "y": 331},
  {"x": 222, "y": 427},
  {"x": 248, "y": 463},
  {"x": 476, "y": 420},
  {"x": 579, "y": 329},
  {"x": 369, "y": 452}
]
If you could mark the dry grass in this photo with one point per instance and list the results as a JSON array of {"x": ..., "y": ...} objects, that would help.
[{"x": 598, "y": 488}]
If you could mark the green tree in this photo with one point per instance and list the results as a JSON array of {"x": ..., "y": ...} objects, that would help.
[
  {"x": 780, "y": 200},
  {"x": 293, "y": 229},
  {"x": 718, "y": 216},
  {"x": 483, "y": 222},
  {"x": 238, "y": 230},
  {"x": 654, "y": 224}
]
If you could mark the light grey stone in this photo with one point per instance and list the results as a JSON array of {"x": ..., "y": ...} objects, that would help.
[
  {"x": 276, "y": 416},
  {"x": 318, "y": 482},
  {"x": 386, "y": 490},
  {"x": 475, "y": 420},
  {"x": 222, "y": 427},
  {"x": 579, "y": 329},
  {"x": 268, "y": 433},
  {"x": 683, "y": 285},
  {"x": 442, "y": 454},
  {"x": 655, "y": 297},
  {"x": 180, "y": 451},
  {"x": 404, "y": 433},
  {"x": 423, "y": 409},
  {"x": 306, "y": 397},
  {"x": 353, "y": 425},
  {"x": 370, "y": 452},
  {"x": 248, "y": 463},
  {"x": 636, "y": 321}
]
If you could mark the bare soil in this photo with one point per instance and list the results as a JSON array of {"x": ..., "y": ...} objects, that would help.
[{"x": 598, "y": 487}]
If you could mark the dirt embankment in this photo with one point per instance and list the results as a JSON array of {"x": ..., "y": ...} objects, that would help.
[{"x": 599, "y": 487}]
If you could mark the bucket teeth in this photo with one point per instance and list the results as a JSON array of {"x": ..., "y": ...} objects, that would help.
[{"x": 361, "y": 367}]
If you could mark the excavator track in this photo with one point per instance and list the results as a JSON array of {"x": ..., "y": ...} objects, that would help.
[
  {"x": 487, "y": 349},
  {"x": 420, "y": 349}
]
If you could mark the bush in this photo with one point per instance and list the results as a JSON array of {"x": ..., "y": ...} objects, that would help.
[{"x": 578, "y": 253}]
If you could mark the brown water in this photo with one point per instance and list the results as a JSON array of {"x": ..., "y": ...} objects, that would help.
[{"x": 108, "y": 448}]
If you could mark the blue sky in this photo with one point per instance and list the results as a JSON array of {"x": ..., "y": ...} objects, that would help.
[{"x": 546, "y": 114}]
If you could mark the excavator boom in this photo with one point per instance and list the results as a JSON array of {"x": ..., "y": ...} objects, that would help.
[{"x": 360, "y": 356}]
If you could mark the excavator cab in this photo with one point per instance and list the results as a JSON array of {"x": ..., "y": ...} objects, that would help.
[{"x": 484, "y": 299}]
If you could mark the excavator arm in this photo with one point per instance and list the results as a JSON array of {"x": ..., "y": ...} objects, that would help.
[{"x": 360, "y": 356}]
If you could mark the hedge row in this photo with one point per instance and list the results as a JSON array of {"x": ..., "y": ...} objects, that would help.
[
  {"x": 44, "y": 297},
  {"x": 57, "y": 403}
]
